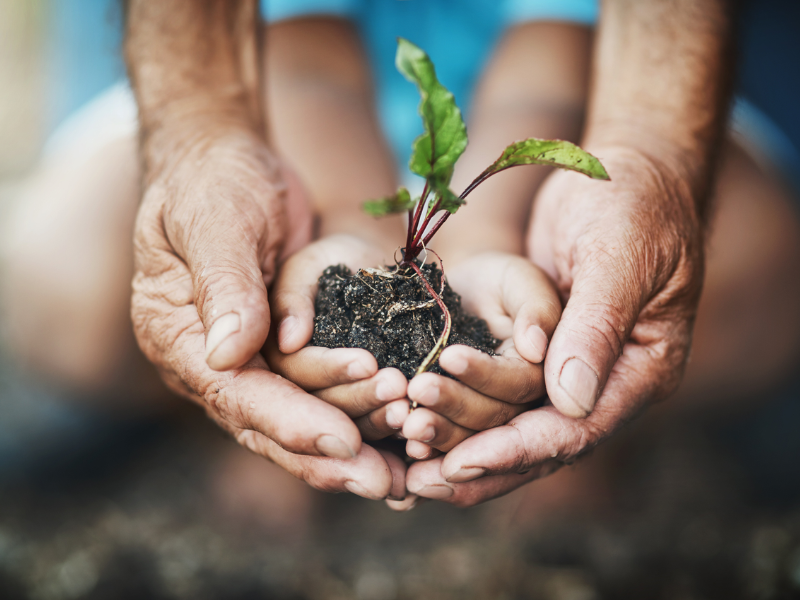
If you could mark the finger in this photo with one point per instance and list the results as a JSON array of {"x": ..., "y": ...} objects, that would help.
[
  {"x": 525, "y": 296},
  {"x": 420, "y": 451},
  {"x": 358, "y": 399},
  {"x": 229, "y": 242},
  {"x": 398, "y": 470},
  {"x": 425, "y": 480},
  {"x": 314, "y": 368},
  {"x": 531, "y": 439},
  {"x": 539, "y": 440},
  {"x": 292, "y": 300},
  {"x": 604, "y": 303},
  {"x": 434, "y": 430},
  {"x": 509, "y": 378},
  {"x": 254, "y": 399},
  {"x": 461, "y": 404},
  {"x": 384, "y": 421},
  {"x": 532, "y": 302},
  {"x": 296, "y": 287},
  {"x": 410, "y": 502},
  {"x": 367, "y": 475},
  {"x": 250, "y": 398}
]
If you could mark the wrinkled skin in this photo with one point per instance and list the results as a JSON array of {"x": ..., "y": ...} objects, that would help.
[
  {"x": 507, "y": 291},
  {"x": 627, "y": 257},
  {"x": 211, "y": 229}
]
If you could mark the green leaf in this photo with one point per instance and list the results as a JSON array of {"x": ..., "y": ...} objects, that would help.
[
  {"x": 399, "y": 202},
  {"x": 450, "y": 201},
  {"x": 436, "y": 151},
  {"x": 556, "y": 153}
]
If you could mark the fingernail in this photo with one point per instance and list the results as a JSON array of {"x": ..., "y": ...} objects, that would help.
[
  {"x": 580, "y": 383},
  {"x": 395, "y": 416},
  {"x": 355, "y": 370},
  {"x": 333, "y": 447},
  {"x": 457, "y": 365},
  {"x": 222, "y": 328},
  {"x": 538, "y": 341},
  {"x": 406, "y": 504},
  {"x": 414, "y": 502},
  {"x": 427, "y": 434},
  {"x": 386, "y": 390},
  {"x": 436, "y": 492},
  {"x": 355, "y": 488},
  {"x": 466, "y": 474},
  {"x": 287, "y": 328}
]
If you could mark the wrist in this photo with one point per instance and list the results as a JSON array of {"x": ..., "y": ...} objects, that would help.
[
  {"x": 682, "y": 163},
  {"x": 640, "y": 159},
  {"x": 201, "y": 143}
]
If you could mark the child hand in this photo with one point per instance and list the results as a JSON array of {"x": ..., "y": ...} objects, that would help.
[
  {"x": 522, "y": 308},
  {"x": 347, "y": 378}
]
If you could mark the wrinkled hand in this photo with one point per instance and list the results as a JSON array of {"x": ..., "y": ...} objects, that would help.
[
  {"x": 347, "y": 378},
  {"x": 210, "y": 230},
  {"x": 522, "y": 308},
  {"x": 628, "y": 255}
]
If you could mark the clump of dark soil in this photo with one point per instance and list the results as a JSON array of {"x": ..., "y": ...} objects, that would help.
[{"x": 392, "y": 315}]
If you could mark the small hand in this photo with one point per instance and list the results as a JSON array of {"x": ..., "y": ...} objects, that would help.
[
  {"x": 628, "y": 255},
  {"x": 347, "y": 378},
  {"x": 522, "y": 308}
]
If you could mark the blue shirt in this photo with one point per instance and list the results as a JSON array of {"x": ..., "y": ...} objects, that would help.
[{"x": 458, "y": 35}]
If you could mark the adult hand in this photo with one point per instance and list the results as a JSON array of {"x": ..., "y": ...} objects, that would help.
[
  {"x": 628, "y": 256},
  {"x": 212, "y": 225},
  {"x": 347, "y": 378},
  {"x": 521, "y": 307}
]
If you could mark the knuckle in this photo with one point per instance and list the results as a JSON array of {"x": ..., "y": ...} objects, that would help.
[
  {"x": 452, "y": 399},
  {"x": 501, "y": 416},
  {"x": 225, "y": 279}
]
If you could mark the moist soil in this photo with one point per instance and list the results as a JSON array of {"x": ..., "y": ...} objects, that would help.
[{"x": 390, "y": 313}]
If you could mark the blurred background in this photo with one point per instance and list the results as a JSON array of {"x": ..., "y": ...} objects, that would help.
[{"x": 683, "y": 505}]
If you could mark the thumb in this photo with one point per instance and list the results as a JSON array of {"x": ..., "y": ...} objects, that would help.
[
  {"x": 227, "y": 262},
  {"x": 231, "y": 299},
  {"x": 597, "y": 320},
  {"x": 295, "y": 289},
  {"x": 532, "y": 302},
  {"x": 293, "y": 299}
]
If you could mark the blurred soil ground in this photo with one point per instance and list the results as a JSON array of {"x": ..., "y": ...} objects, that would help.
[{"x": 173, "y": 509}]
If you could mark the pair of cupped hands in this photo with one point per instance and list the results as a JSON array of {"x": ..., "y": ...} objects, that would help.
[{"x": 223, "y": 305}]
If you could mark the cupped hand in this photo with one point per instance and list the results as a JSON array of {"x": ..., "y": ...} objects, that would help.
[
  {"x": 211, "y": 227},
  {"x": 628, "y": 257},
  {"x": 521, "y": 307},
  {"x": 347, "y": 378}
]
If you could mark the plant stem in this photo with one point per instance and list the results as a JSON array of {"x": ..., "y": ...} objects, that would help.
[
  {"x": 436, "y": 227},
  {"x": 415, "y": 243},
  {"x": 433, "y": 355},
  {"x": 412, "y": 224},
  {"x": 475, "y": 183}
]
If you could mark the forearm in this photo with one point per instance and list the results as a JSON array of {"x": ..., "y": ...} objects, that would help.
[
  {"x": 534, "y": 86},
  {"x": 195, "y": 72},
  {"x": 661, "y": 83},
  {"x": 325, "y": 124}
]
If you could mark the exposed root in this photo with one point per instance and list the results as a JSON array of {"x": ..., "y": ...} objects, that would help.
[
  {"x": 403, "y": 307},
  {"x": 385, "y": 273},
  {"x": 436, "y": 351}
]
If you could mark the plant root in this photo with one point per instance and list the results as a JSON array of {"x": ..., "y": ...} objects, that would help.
[{"x": 433, "y": 355}]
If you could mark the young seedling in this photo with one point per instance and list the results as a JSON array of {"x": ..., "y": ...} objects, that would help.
[{"x": 433, "y": 158}]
